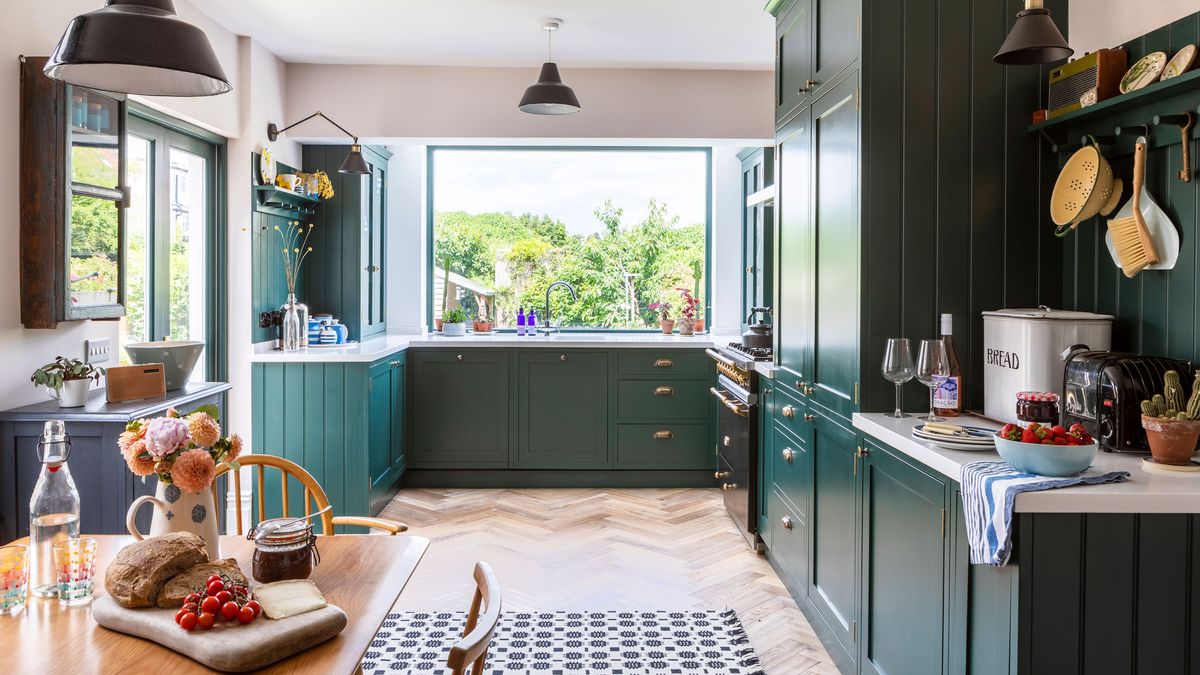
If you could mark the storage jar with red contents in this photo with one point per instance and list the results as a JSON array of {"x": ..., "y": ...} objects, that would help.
[
  {"x": 288, "y": 550},
  {"x": 1038, "y": 406}
]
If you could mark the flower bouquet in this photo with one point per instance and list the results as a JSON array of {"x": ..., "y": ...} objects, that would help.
[{"x": 180, "y": 450}]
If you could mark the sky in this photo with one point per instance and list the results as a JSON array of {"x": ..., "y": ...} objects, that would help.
[{"x": 570, "y": 185}]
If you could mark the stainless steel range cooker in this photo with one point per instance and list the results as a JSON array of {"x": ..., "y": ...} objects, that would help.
[{"x": 737, "y": 433}]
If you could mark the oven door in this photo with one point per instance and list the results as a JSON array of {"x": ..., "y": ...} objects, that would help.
[{"x": 736, "y": 448}]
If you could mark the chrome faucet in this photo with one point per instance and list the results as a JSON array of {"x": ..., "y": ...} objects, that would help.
[{"x": 547, "y": 328}]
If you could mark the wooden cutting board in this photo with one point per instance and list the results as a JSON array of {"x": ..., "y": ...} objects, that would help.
[{"x": 231, "y": 647}]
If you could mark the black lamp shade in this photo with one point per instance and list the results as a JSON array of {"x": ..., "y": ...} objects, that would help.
[
  {"x": 354, "y": 162},
  {"x": 549, "y": 96},
  {"x": 138, "y": 47},
  {"x": 1033, "y": 40}
]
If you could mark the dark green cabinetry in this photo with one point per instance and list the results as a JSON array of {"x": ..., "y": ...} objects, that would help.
[
  {"x": 814, "y": 41},
  {"x": 758, "y": 231},
  {"x": 793, "y": 292},
  {"x": 833, "y": 584},
  {"x": 385, "y": 449},
  {"x": 563, "y": 403},
  {"x": 461, "y": 409},
  {"x": 345, "y": 274}
]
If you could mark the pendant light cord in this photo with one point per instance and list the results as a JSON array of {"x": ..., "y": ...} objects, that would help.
[{"x": 549, "y": 46}]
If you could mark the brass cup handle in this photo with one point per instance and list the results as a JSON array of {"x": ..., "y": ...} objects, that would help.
[
  {"x": 788, "y": 455},
  {"x": 788, "y": 411},
  {"x": 721, "y": 475},
  {"x": 664, "y": 435},
  {"x": 726, "y": 487},
  {"x": 664, "y": 391},
  {"x": 786, "y": 522},
  {"x": 664, "y": 363}
]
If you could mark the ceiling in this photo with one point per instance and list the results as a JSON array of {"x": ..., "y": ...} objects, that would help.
[{"x": 718, "y": 34}]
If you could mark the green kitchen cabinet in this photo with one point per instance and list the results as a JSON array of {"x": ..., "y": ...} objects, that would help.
[
  {"x": 904, "y": 568},
  {"x": 385, "y": 415},
  {"x": 564, "y": 407},
  {"x": 344, "y": 275},
  {"x": 793, "y": 55},
  {"x": 793, "y": 304},
  {"x": 814, "y": 41},
  {"x": 758, "y": 226},
  {"x": 460, "y": 403},
  {"x": 663, "y": 399}
]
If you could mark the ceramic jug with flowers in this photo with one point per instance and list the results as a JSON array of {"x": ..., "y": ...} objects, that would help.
[{"x": 182, "y": 451}]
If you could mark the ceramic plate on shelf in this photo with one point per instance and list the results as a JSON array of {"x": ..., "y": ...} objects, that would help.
[
  {"x": 1145, "y": 71},
  {"x": 1179, "y": 63},
  {"x": 266, "y": 167}
]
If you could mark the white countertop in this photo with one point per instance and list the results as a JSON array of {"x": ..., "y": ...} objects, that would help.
[
  {"x": 378, "y": 348},
  {"x": 1144, "y": 492}
]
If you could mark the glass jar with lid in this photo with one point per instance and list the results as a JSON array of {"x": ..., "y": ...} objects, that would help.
[
  {"x": 1038, "y": 406},
  {"x": 284, "y": 548}
]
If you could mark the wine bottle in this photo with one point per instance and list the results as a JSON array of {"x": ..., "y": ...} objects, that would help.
[{"x": 947, "y": 396}]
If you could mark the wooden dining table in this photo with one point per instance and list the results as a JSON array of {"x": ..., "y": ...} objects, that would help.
[{"x": 362, "y": 574}]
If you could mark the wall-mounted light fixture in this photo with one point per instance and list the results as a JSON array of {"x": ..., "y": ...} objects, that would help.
[
  {"x": 137, "y": 47},
  {"x": 549, "y": 96},
  {"x": 354, "y": 162},
  {"x": 1034, "y": 39}
]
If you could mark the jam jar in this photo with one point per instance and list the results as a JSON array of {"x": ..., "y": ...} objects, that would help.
[
  {"x": 288, "y": 550},
  {"x": 1038, "y": 406}
]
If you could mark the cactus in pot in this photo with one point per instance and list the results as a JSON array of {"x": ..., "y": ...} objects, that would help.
[{"x": 1172, "y": 420}]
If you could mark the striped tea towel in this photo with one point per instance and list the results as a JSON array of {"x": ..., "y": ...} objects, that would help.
[{"x": 989, "y": 490}]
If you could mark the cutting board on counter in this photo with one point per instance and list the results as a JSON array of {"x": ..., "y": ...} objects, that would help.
[{"x": 230, "y": 647}]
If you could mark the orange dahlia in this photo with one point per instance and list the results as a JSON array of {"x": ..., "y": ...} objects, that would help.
[
  {"x": 140, "y": 463},
  {"x": 203, "y": 429},
  {"x": 235, "y": 448},
  {"x": 193, "y": 471}
]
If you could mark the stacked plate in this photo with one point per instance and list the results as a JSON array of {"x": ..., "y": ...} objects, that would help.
[{"x": 956, "y": 437}]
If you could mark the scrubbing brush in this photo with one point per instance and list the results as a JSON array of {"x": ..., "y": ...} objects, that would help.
[{"x": 1130, "y": 236}]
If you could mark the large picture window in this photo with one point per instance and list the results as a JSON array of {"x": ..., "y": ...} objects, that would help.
[{"x": 626, "y": 227}]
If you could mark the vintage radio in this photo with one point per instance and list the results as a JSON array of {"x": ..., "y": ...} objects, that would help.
[{"x": 1099, "y": 71}]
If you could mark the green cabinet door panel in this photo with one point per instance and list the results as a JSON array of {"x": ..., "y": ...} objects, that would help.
[
  {"x": 669, "y": 445},
  {"x": 791, "y": 469},
  {"x": 379, "y": 414},
  {"x": 765, "y": 452},
  {"x": 793, "y": 307},
  {"x": 834, "y": 328},
  {"x": 460, "y": 408},
  {"x": 663, "y": 399},
  {"x": 791, "y": 410},
  {"x": 904, "y": 568},
  {"x": 789, "y": 540},
  {"x": 793, "y": 57},
  {"x": 398, "y": 408},
  {"x": 563, "y": 409},
  {"x": 836, "y": 40},
  {"x": 674, "y": 363},
  {"x": 833, "y": 587}
]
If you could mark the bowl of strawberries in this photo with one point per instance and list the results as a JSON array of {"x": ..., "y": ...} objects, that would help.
[{"x": 1047, "y": 451}]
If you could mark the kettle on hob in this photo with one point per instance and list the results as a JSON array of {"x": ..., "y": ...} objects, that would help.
[{"x": 758, "y": 334}]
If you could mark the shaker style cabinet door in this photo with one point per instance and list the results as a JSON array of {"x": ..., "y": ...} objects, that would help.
[
  {"x": 836, "y": 38},
  {"x": 793, "y": 309},
  {"x": 793, "y": 57},
  {"x": 563, "y": 403},
  {"x": 461, "y": 399}
]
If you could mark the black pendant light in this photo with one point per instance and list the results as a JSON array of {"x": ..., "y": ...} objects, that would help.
[
  {"x": 1034, "y": 39},
  {"x": 549, "y": 96},
  {"x": 354, "y": 162},
  {"x": 138, "y": 47}
]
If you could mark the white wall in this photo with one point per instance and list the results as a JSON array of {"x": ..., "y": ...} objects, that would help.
[
  {"x": 1095, "y": 24},
  {"x": 725, "y": 244},
  {"x": 406, "y": 239}
]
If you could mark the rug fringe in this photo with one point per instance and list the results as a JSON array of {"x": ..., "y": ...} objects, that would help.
[{"x": 746, "y": 657}]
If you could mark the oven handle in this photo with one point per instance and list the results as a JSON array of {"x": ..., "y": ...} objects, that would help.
[
  {"x": 739, "y": 410},
  {"x": 719, "y": 357}
]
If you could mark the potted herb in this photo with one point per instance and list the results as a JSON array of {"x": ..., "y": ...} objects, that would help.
[
  {"x": 67, "y": 380},
  {"x": 454, "y": 322},
  {"x": 687, "y": 311},
  {"x": 665, "y": 320},
  {"x": 1172, "y": 423},
  {"x": 483, "y": 324}
]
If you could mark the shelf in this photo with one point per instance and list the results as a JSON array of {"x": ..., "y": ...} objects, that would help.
[
  {"x": 764, "y": 197},
  {"x": 1158, "y": 91},
  {"x": 275, "y": 197},
  {"x": 92, "y": 138}
]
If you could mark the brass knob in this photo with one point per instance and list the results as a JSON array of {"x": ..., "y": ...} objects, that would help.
[
  {"x": 372, "y": 268},
  {"x": 664, "y": 435},
  {"x": 809, "y": 418},
  {"x": 726, "y": 487},
  {"x": 721, "y": 475},
  {"x": 664, "y": 391},
  {"x": 786, "y": 522},
  {"x": 788, "y": 454},
  {"x": 460, "y": 357},
  {"x": 808, "y": 391},
  {"x": 664, "y": 363},
  {"x": 749, "y": 270},
  {"x": 727, "y": 441},
  {"x": 788, "y": 411},
  {"x": 562, "y": 357}
]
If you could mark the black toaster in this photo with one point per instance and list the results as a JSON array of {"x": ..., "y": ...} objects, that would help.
[{"x": 1103, "y": 391}]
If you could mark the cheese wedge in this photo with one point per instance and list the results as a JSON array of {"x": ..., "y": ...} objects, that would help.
[{"x": 282, "y": 599}]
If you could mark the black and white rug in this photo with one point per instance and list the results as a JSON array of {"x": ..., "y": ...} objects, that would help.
[{"x": 571, "y": 643}]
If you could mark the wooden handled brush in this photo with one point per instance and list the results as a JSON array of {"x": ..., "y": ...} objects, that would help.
[{"x": 1131, "y": 238}]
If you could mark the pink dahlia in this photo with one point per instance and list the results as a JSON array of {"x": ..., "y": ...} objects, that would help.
[
  {"x": 135, "y": 457},
  {"x": 235, "y": 448},
  {"x": 164, "y": 435},
  {"x": 204, "y": 430},
  {"x": 193, "y": 471},
  {"x": 128, "y": 437}
]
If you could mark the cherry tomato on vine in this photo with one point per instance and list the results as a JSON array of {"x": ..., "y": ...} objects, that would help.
[
  {"x": 211, "y": 605},
  {"x": 206, "y": 620},
  {"x": 188, "y": 622},
  {"x": 253, "y": 604},
  {"x": 246, "y": 615}
]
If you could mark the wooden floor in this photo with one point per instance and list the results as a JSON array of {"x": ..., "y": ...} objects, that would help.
[{"x": 594, "y": 549}]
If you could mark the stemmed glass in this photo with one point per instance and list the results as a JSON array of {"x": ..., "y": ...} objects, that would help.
[
  {"x": 932, "y": 368},
  {"x": 897, "y": 368}
]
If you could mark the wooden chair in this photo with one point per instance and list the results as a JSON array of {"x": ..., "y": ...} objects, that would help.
[
  {"x": 472, "y": 649},
  {"x": 313, "y": 493}
]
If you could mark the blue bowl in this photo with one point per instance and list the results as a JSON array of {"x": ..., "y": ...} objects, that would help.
[{"x": 1046, "y": 460}]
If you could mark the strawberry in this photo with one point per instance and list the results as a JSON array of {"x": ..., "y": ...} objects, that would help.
[
  {"x": 1058, "y": 440},
  {"x": 1058, "y": 430},
  {"x": 1047, "y": 441},
  {"x": 1011, "y": 432},
  {"x": 1040, "y": 431},
  {"x": 1028, "y": 436}
]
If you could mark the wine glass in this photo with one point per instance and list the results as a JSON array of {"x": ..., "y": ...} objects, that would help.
[
  {"x": 897, "y": 368},
  {"x": 932, "y": 369}
]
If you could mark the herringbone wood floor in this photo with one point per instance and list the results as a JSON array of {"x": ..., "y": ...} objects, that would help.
[{"x": 563, "y": 549}]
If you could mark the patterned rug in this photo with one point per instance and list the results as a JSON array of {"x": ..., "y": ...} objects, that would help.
[{"x": 554, "y": 643}]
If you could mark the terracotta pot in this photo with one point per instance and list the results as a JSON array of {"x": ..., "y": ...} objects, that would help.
[
  {"x": 483, "y": 326},
  {"x": 668, "y": 326},
  {"x": 699, "y": 325},
  {"x": 686, "y": 326},
  {"x": 437, "y": 325},
  {"x": 1171, "y": 441}
]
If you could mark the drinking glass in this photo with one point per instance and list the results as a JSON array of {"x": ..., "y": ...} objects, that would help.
[
  {"x": 14, "y": 577},
  {"x": 75, "y": 564},
  {"x": 897, "y": 368},
  {"x": 932, "y": 368}
]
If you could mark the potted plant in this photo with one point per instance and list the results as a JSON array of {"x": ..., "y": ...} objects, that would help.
[
  {"x": 1172, "y": 424},
  {"x": 687, "y": 311},
  {"x": 454, "y": 322},
  {"x": 67, "y": 380},
  {"x": 665, "y": 320},
  {"x": 483, "y": 324}
]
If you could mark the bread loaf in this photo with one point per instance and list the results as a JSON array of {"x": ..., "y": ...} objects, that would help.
[
  {"x": 192, "y": 580},
  {"x": 140, "y": 570}
]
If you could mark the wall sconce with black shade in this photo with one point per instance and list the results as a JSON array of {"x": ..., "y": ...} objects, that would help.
[
  {"x": 1034, "y": 39},
  {"x": 354, "y": 162},
  {"x": 137, "y": 47}
]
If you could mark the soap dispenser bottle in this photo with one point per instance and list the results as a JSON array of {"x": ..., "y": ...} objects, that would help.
[
  {"x": 521, "y": 321},
  {"x": 531, "y": 323}
]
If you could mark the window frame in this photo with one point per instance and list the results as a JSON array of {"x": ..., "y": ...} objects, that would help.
[
  {"x": 216, "y": 259},
  {"x": 707, "y": 151}
]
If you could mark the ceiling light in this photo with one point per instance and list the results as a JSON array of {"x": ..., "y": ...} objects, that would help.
[
  {"x": 1034, "y": 39},
  {"x": 354, "y": 162},
  {"x": 137, "y": 47},
  {"x": 549, "y": 96}
]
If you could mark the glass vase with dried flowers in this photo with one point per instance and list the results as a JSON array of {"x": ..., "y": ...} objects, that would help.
[{"x": 294, "y": 237}]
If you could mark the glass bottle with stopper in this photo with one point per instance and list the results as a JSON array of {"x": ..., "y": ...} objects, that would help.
[{"x": 53, "y": 508}]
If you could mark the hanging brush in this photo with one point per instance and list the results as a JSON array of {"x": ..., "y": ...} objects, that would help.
[{"x": 1131, "y": 239}]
